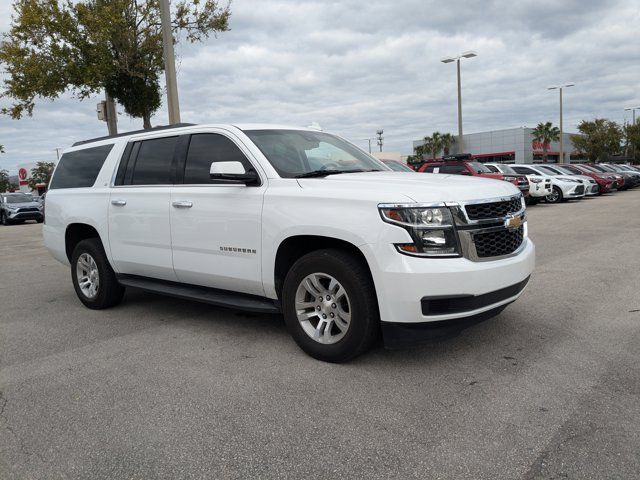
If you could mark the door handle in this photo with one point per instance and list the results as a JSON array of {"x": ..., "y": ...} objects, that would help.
[
  {"x": 182, "y": 204},
  {"x": 119, "y": 203}
]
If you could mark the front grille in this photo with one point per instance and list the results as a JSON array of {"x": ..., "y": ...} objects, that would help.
[
  {"x": 499, "y": 242},
  {"x": 28, "y": 209},
  {"x": 579, "y": 189},
  {"x": 482, "y": 211},
  {"x": 595, "y": 189}
]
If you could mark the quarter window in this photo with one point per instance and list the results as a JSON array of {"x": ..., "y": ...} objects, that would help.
[
  {"x": 80, "y": 168},
  {"x": 153, "y": 163},
  {"x": 205, "y": 149}
]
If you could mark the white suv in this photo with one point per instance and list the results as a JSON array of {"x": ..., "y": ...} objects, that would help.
[
  {"x": 564, "y": 187},
  {"x": 539, "y": 186},
  {"x": 291, "y": 220}
]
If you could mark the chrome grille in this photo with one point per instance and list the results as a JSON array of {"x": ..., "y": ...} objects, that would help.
[
  {"x": 498, "y": 242},
  {"x": 483, "y": 211},
  {"x": 579, "y": 189}
]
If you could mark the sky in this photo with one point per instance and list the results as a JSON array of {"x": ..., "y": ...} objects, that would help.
[{"x": 355, "y": 67}]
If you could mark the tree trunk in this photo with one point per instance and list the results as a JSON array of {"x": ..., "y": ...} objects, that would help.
[{"x": 146, "y": 119}]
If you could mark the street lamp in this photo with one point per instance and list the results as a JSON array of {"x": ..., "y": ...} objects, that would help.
[
  {"x": 380, "y": 138},
  {"x": 469, "y": 54},
  {"x": 560, "y": 87},
  {"x": 633, "y": 123}
]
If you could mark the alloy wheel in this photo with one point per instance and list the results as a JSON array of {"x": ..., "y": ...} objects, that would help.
[
  {"x": 323, "y": 308},
  {"x": 87, "y": 275}
]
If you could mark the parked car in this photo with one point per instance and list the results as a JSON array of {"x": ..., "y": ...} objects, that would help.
[
  {"x": 630, "y": 179},
  {"x": 465, "y": 165},
  {"x": 606, "y": 181},
  {"x": 621, "y": 168},
  {"x": 539, "y": 186},
  {"x": 287, "y": 220},
  {"x": 19, "y": 207},
  {"x": 591, "y": 187},
  {"x": 397, "y": 166},
  {"x": 562, "y": 188}
]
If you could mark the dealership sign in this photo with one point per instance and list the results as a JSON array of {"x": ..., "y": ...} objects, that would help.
[{"x": 540, "y": 145}]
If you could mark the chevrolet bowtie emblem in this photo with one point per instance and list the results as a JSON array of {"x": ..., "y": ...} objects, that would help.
[{"x": 512, "y": 223}]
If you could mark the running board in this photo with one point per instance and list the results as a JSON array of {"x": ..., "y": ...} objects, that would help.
[{"x": 212, "y": 296}]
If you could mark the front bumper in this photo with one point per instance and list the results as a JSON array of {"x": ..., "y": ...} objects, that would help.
[
  {"x": 540, "y": 190},
  {"x": 592, "y": 189},
  {"x": 573, "y": 190},
  {"x": 17, "y": 216},
  {"x": 402, "y": 282}
]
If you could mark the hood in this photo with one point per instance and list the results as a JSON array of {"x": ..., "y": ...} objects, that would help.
[
  {"x": 23, "y": 204},
  {"x": 389, "y": 187}
]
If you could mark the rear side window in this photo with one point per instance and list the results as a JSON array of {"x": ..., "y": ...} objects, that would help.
[
  {"x": 455, "y": 169},
  {"x": 152, "y": 165},
  {"x": 80, "y": 168},
  {"x": 205, "y": 149}
]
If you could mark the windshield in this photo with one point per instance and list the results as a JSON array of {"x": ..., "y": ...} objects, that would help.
[
  {"x": 508, "y": 170},
  {"x": 297, "y": 152},
  {"x": 588, "y": 168},
  {"x": 607, "y": 168},
  {"x": 546, "y": 170},
  {"x": 396, "y": 166},
  {"x": 565, "y": 171},
  {"x": 18, "y": 198},
  {"x": 479, "y": 168},
  {"x": 597, "y": 168}
]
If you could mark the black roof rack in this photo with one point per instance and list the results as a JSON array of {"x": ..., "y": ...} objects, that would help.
[{"x": 124, "y": 134}]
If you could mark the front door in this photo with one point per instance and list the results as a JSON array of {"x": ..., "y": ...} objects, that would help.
[{"x": 216, "y": 227}]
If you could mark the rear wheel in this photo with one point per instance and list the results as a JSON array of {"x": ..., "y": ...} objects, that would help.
[
  {"x": 329, "y": 305},
  {"x": 93, "y": 278},
  {"x": 555, "y": 196}
]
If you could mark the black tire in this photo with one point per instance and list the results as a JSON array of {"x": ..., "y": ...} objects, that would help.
[
  {"x": 4, "y": 219},
  {"x": 40, "y": 220},
  {"x": 354, "y": 276},
  {"x": 532, "y": 201},
  {"x": 557, "y": 198},
  {"x": 110, "y": 292}
]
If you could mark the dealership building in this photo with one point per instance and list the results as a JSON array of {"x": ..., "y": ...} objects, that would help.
[{"x": 511, "y": 145}]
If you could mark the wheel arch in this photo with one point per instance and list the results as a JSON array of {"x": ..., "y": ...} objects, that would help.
[
  {"x": 296, "y": 246},
  {"x": 75, "y": 233}
]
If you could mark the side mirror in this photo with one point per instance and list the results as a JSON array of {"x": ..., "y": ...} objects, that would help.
[{"x": 233, "y": 172}]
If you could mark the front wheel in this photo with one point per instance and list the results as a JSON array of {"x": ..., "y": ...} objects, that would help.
[
  {"x": 3, "y": 218},
  {"x": 329, "y": 305},
  {"x": 555, "y": 196}
]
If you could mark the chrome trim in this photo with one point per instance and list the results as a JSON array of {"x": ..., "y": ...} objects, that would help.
[
  {"x": 462, "y": 219},
  {"x": 413, "y": 205},
  {"x": 469, "y": 246}
]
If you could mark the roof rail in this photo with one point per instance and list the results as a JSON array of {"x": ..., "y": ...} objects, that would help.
[{"x": 124, "y": 134}]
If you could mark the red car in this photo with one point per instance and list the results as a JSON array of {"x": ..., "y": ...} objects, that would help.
[
  {"x": 606, "y": 181},
  {"x": 464, "y": 165}
]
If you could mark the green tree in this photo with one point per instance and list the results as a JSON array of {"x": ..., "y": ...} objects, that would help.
[
  {"x": 4, "y": 181},
  {"x": 41, "y": 174},
  {"x": 545, "y": 133},
  {"x": 85, "y": 46},
  {"x": 631, "y": 136},
  {"x": 447, "y": 142},
  {"x": 599, "y": 138}
]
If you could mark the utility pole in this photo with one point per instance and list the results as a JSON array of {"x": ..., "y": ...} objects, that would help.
[
  {"x": 169, "y": 64},
  {"x": 380, "y": 138},
  {"x": 110, "y": 112},
  {"x": 633, "y": 123},
  {"x": 560, "y": 87}
]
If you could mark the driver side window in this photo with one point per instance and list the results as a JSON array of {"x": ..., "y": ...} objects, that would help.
[{"x": 208, "y": 148}]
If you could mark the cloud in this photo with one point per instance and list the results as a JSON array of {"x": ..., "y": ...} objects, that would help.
[{"x": 355, "y": 66}]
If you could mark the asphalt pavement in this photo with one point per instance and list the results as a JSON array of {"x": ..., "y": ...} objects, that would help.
[{"x": 170, "y": 389}]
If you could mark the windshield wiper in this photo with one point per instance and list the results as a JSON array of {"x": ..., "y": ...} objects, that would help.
[{"x": 324, "y": 173}]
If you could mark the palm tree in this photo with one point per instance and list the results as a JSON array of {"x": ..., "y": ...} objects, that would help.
[
  {"x": 447, "y": 141},
  {"x": 545, "y": 133},
  {"x": 436, "y": 144}
]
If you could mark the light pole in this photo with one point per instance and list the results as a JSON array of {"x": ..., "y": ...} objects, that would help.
[
  {"x": 369, "y": 140},
  {"x": 169, "y": 63},
  {"x": 380, "y": 138},
  {"x": 469, "y": 54},
  {"x": 560, "y": 87},
  {"x": 633, "y": 123}
]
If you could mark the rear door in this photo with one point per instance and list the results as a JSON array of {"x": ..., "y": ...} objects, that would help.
[
  {"x": 139, "y": 207},
  {"x": 216, "y": 226}
]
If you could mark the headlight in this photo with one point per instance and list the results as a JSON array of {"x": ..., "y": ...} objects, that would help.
[
  {"x": 12, "y": 209},
  {"x": 565, "y": 179},
  {"x": 535, "y": 180},
  {"x": 430, "y": 228}
]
